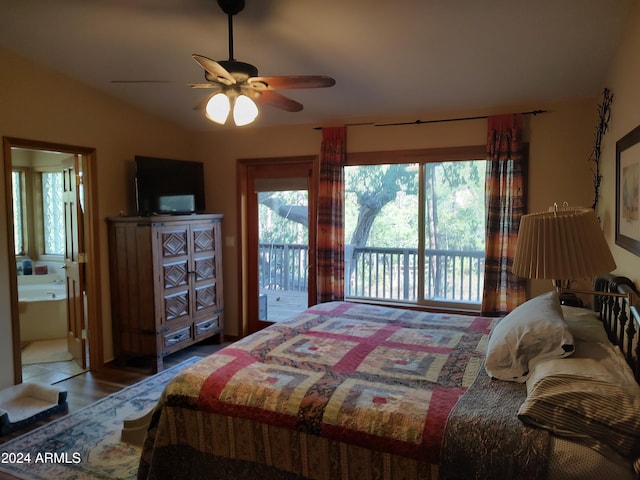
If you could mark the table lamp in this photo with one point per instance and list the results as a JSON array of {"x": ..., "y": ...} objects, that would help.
[{"x": 562, "y": 245}]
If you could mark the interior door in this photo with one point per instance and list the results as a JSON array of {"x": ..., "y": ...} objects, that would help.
[
  {"x": 281, "y": 240},
  {"x": 74, "y": 259}
]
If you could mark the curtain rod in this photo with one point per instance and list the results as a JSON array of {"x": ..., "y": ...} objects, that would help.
[
  {"x": 349, "y": 125},
  {"x": 442, "y": 120}
]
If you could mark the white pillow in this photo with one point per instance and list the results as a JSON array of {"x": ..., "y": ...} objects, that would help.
[
  {"x": 584, "y": 324},
  {"x": 533, "y": 331}
]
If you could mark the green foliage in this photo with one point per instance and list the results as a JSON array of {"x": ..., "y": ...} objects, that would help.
[
  {"x": 367, "y": 181},
  {"x": 397, "y": 224},
  {"x": 458, "y": 196},
  {"x": 368, "y": 191},
  {"x": 382, "y": 204},
  {"x": 461, "y": 212},
  {"x": 283, "y": 225}
]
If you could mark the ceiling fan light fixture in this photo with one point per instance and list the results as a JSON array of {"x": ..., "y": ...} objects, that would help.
[
  {"x": 245, "y": 111},
  {"x": 218, "y": 108},
  {"x": 235, "y": 77}
]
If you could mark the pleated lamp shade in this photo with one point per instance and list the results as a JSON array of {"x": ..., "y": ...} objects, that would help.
[{"x": 562, "y": 245}]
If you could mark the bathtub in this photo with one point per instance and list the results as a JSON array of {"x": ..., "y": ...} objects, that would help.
[
  {"x": 42, "y": 292},
  {"x": 42, "y": 304}
]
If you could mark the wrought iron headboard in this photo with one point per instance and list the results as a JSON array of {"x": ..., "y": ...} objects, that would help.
[{"x": 618, "y": 301}]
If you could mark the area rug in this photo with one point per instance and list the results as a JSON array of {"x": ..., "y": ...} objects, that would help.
[
  {"x": 86, "y": 444},
  {"x": 46, "y": 351}
]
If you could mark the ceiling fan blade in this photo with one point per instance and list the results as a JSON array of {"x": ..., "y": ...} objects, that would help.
[
  {"x": 279, "y": 101},
  {"x": 205, "y": 85},
  {"x": 215, "y": 69},
  {"x": 141, "y": 81},
  {"x": 291, "y": 81}
]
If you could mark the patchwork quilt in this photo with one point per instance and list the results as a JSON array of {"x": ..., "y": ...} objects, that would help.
[{"x": 339, "y": 391}]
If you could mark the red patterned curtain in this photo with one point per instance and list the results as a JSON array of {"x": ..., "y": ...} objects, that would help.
[
  {"x": 330, "y": 239},
  {"x": 506, "y": 203}
]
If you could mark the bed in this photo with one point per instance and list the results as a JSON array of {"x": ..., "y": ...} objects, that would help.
[{"x": 353, "y": 391}]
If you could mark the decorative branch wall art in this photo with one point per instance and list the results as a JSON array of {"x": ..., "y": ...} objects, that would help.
[{"x": 604, "y": 115}]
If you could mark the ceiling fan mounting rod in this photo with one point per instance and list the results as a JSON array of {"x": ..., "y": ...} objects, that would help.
[
  {"x": 231, "y": 7},
  {"x": 231, "y": 59}
]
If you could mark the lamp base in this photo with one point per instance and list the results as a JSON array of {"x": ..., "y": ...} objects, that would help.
[{"x": 570, "y": 299}]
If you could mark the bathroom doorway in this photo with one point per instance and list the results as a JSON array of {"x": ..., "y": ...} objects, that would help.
[{"x": 54, "y": 286}]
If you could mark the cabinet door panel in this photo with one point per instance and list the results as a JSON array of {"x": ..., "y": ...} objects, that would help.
[
  {"x": 175, "y": 274},
  {"x": 205, "y": 267},
  {"x": 203, "y": 238},
  {"x": 176, "y": 306},
  {"x": 206, "y": 297},
  {"x": 174, "y": 242}
]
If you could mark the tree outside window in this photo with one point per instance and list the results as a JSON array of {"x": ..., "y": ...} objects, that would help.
[{"x": 386, "y": 222}]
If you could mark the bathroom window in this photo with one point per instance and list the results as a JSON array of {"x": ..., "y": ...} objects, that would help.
[
  {"x": 19, "y": 232},
  {"x": 53, "y": 213},
  {"x": 38, "y": 212}
]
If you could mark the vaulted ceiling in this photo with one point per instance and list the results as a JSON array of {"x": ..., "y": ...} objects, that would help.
[{"x": 389, "y": 58}]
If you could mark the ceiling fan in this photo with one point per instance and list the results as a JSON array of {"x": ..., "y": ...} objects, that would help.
[{"x": 239, "y": 85}]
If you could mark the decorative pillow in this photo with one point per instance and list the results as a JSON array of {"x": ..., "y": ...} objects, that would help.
[
  {"x": 532, "y": 332},
  {"x": 591, "y": 396}
]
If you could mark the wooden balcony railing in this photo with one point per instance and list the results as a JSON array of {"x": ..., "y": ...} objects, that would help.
[
  {"x": 392, "y": 274},
  {"x": 283, "y": 266},
  {"x": 381, "y": 273}
]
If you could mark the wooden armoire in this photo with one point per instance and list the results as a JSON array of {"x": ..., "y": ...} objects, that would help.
[{"x": 166, "y": 284}]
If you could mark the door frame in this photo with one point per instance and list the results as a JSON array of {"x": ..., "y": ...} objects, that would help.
[
  {"x": 91, "y": 240},
  {"x": 247, "y": 309}
]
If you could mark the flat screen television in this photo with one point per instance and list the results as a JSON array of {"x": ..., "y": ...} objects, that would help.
[{"x": 168, "y": 187}]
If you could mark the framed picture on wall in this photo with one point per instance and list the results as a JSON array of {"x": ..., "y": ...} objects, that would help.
[{"x": 628, "y": 191}]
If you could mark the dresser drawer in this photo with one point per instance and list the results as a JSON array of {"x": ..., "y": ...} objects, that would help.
[
  {"x": 177, "y": 337},
  {"x": 207, "y": 327}
]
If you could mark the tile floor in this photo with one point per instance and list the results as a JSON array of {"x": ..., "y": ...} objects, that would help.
[
  {"x": 55, "y": 365},
  {"x": 50, "y": 373}
]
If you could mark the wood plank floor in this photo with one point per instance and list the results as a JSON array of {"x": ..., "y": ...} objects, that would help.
[{"x": 89, "y": 387}]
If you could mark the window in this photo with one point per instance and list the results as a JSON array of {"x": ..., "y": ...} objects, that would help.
[
  {"x": 38, "y": 212},
  {"x": 381, "y": 231},
  {"x": 393, "y": 211},
  {"x": 53, "y": 213}
]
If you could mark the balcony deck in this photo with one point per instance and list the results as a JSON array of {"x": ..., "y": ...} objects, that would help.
[{"x": 283, "y": 304}]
